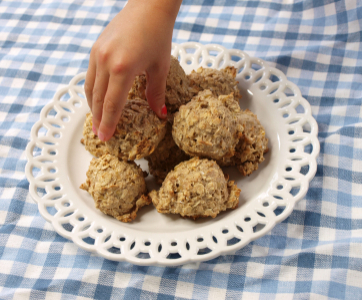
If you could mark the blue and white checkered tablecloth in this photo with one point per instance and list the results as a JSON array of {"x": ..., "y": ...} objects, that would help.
[{"x": 316, "y": 253}]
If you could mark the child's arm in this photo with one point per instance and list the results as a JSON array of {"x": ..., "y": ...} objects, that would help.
[{"x": 136, "y": 41}]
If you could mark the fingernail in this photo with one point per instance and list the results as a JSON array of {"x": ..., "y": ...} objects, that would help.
[
  {"x": 101, "y": 136},
  {"x": 164, "y": 111},
  {"x": 94, "y": 130}
]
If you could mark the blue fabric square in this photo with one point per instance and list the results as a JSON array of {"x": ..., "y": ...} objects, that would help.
[
  {"x": 340, "y": 262},
  {"x": 33, "y": 76},
  {"x": 236, "y": 282},
  {"x": 336, "y": 290},
  {"x": 72, "y": 287},
  {"x": 42, "y": 284},
  {"x": 164, "y": 297},
  {"x": 269, "y": 286},
  {"x": 24, "y": 255},
  {"x": 306, "y": 260},
  {"x": 131, "y": 293},
  {"x": 312, "y": 219},
  {"x": 303, "y": 287},
  {"x": 13, "y": 281}
]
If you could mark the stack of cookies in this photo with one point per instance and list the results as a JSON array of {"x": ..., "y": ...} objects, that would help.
[{"x": 205, "y": 130}]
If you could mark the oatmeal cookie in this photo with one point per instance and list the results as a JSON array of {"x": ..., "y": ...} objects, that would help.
[
  {"x": 196, "y": 188},
  {"x": 91, "y": 142},
  {"x": 219, "y": 82},
  {"x": 138, "y": 89},
  {"x": 208, "y": 126},
  {"x": 117, "y": 187},
  {"x": 250, "y": 150},
  {"x": 177, "y": 87},
  {"x": 138, "y": 131},
  {"x": 166, "y": 156}
]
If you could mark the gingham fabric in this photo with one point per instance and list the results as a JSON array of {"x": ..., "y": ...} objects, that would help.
[{"x": 316, "y": 253}]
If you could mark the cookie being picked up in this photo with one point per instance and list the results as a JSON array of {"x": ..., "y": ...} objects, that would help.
[
  {"x": 138, "y": 132},
  {"x": 177, "y": 87},
  {"x": 91, "y": 142}
]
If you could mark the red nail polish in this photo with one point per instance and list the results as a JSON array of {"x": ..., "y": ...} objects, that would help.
[{"x": 164, "y": 110}]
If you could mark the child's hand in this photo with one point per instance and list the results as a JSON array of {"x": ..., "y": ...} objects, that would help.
[{"x": 136, "y": 41}]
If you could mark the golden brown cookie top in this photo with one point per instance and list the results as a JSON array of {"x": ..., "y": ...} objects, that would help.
[
  {"x": 196, "y": 188},
  {"x": 208, "y": 126},
  {"x": 117, "y": 187},
  {"x": 219, "y": 82}
]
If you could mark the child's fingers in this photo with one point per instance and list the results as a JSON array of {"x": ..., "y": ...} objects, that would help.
[
  {"x": 155, "y": 91},
  {"x": 89, "y": 82},
  {"x": 99, "y": 92},
  {"x": 114, "y": 101}
]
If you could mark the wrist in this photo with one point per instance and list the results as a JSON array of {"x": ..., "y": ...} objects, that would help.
[{"x": 169, "y": 8}]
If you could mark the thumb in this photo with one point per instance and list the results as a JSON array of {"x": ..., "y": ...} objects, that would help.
[{"x": 155, "y": 91}]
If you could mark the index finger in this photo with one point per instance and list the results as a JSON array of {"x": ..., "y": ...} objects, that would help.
[
  {"x": 89, "y": 81},
  {"x": 114, "y": 101}
]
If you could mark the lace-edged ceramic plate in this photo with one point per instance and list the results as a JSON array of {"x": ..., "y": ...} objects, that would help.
[{"x": 57, "y": 165}]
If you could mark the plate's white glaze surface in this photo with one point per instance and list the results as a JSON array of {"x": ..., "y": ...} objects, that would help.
[{"x": 57, "y": 165}]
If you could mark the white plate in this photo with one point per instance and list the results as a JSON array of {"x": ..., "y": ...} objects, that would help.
[{"x": 57, "y": 165}]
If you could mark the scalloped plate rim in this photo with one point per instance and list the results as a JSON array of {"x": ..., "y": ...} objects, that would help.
[{"x": 188, "y": 258}]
